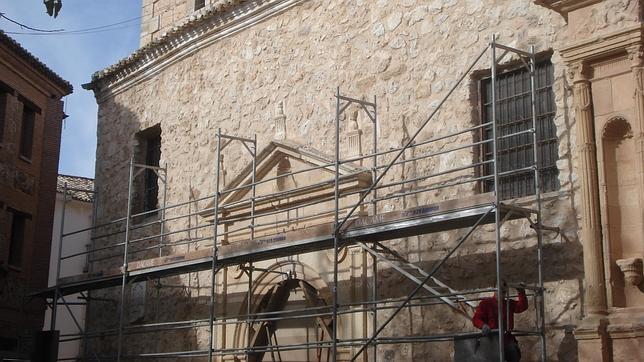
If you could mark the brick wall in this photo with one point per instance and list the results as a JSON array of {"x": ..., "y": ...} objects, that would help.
[{"x": 27, "y": 186}]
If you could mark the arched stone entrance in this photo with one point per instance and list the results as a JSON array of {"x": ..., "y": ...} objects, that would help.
[{"x": 293, "y": 295}]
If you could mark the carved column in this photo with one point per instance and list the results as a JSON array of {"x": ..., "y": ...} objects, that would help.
[
  {"x": 637, "y": 67},
  {"x": 595, "y": 292}
]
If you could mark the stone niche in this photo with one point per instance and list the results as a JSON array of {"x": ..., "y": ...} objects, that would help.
[{"x": 618, "y": 178}]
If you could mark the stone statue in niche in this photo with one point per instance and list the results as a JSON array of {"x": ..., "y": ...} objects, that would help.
[{"x": 354, "y": 136}]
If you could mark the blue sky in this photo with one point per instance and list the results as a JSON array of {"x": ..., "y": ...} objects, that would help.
[{"x": 75, "y": 57}]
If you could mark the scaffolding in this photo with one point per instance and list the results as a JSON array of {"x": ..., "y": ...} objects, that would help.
[{"x": 362, "y": 224}]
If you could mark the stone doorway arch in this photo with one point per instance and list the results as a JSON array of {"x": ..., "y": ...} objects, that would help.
[{"x": 273, "y": 293}]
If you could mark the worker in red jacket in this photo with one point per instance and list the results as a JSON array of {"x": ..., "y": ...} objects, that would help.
[{"x": 486, "y": 318}]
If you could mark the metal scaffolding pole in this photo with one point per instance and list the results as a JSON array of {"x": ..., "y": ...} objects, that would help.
[
  {"x": 421, "y": 285},
  {"x": 213, "y": 268},
  {"x": 336, "y": 231},
  {"x": 537, "y": 189},
  {"x": 60, "y": 250},
  {"x": 374, "y": 260},
  {"x": 125, "y": 261},
  {"x": 371, "y": 303},
  {"x": 162, "y": 221},
  {"x": 86, "y": 346},
  {"x": 497, "y": 203},
  {"x": 249, "y": 323}
]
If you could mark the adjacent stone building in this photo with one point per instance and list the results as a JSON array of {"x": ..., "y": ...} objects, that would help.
[
  {"x": 270, "y": 68},
  {"x": 31, "y": 116}
]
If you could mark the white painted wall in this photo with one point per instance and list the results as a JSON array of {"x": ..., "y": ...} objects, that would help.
[{"x": 78, "y": 215}]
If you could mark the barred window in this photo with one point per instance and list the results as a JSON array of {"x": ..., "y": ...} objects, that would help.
[
  {"x": 199, "y": 4},
  {"x": 146, "y": 188},
  {"x": 514, "y": 114},
  {"x": 151, "y": 186}
]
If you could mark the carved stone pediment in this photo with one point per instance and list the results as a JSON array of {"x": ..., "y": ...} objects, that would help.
[{"x": 301, "y": 188}]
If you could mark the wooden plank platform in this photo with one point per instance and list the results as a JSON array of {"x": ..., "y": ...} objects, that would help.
[{"x": 426, "y": 219}]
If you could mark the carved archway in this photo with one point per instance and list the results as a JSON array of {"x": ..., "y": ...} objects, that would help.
[{"x": 271, "y": 293}]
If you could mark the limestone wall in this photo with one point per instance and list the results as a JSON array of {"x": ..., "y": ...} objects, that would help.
[{"x": 407, "y": 53}]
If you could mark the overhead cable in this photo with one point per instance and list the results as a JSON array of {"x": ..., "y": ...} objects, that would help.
[{"x": 2, "y": 15}]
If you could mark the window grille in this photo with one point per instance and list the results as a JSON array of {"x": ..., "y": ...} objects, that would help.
[
  {"x": 199, "y": 4},
  {"x": 151, "y": 185},
  {"x": 514, "y": 114}
]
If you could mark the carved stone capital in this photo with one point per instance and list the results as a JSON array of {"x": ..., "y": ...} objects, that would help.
[
  {"x": 636, "y": 55},
  {"x": 632, "y": 270},
  {"x": 578, "y": 72}
]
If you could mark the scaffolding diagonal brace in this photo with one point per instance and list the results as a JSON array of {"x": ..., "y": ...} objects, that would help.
[
  {"x": 411, "y": 277},
  {"x": 419, "y": 287}
]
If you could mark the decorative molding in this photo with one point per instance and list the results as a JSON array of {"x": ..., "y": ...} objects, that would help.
[
  {"x": 610, "y": 67},
  {"x": 198, "y": 32},
  {"x": 598, "y": 48}
]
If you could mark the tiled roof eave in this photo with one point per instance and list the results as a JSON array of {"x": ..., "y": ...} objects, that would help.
[
  {"x": 218, "y": 17},
  {"x": 39, "y": 66}
]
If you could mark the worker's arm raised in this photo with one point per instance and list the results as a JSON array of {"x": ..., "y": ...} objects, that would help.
[{"x": 522, "y": 304}]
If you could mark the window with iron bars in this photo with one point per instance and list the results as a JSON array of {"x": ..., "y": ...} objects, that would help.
[
  {"x": 514, "y": 115},
  {"x": 199, "y": 4},
  {"x": 151, "y": 185}
]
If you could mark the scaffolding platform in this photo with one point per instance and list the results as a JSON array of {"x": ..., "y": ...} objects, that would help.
[
  {"x": 425, "y": 219},
  {"x": 244, "y": 229}
]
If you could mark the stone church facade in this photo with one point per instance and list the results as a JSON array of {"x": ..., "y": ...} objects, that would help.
[{"x": 269, "y": 69}]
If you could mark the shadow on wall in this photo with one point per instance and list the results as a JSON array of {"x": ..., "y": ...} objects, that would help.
[
  {"x": 147, "y": 301},
  {"x": 567, "y": 351}
]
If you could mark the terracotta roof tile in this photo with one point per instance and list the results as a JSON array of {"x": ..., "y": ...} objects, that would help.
[
  {"x": 35, "y": 62},
  {"x": 76, "y": 184}
]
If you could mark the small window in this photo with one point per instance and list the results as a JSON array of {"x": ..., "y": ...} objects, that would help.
[
  {"x": 17, "y": 240},
  {"x": 4, "y": 99},
  {"x": 27, "y": 131},
  {"x": 514, "y": 114},
  {"x": 152, "y": 157},
  {"x": 199, "y": 4},
  {"x": 149, "y": 153}
]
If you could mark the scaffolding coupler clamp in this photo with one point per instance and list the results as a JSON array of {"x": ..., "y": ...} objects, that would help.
[{"x": 537, "y": 226}]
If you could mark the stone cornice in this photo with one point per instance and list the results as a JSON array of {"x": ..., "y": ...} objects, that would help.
[
  {"x": 563, "y": 7},
  {"x": 603, "y": 46},
  {"x": 183, "y": 41}
]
